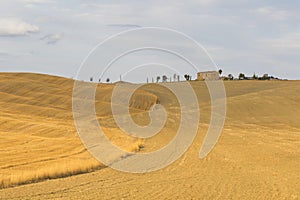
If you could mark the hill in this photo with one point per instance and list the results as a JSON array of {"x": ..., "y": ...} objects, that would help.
[{"x": 257, "y": 155}]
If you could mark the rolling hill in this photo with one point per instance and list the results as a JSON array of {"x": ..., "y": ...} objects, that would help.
[{"x": 257, "y": 156}]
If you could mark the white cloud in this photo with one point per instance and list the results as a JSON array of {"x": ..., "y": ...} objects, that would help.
[
  {"x": 273, "y": 13},
  {"x": 286, "y": 44},
  {"x": 206, "y": 2},
  {"x": 124, "y": 25},
  {"x": 16, "y": 27},
  {"x": 52, "y": 38},
  {"x": 38, "y": 1}
]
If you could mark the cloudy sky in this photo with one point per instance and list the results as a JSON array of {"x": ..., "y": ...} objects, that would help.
[{"x": 54, "y": 37}]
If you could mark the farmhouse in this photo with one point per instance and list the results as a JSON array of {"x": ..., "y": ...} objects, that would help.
[{"x": 208, "y": 76}]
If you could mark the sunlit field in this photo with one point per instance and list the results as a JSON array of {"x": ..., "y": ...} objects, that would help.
[{"x": 257, "y": 156}]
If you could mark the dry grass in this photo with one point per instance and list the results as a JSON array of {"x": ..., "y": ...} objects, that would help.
[
  {"x": 38, "y": 139},
  {"x": 54, "y": 166},
  {"x": 257, "y": 155},
  {"x": 137, "y": 146},
  {"x": 56, "y": 170}
]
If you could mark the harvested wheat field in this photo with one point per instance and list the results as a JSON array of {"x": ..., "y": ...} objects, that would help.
[{"x": 42, "y": 157}]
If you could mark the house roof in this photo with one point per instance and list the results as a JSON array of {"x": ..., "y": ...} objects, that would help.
[{"x": 207, "y": 72}]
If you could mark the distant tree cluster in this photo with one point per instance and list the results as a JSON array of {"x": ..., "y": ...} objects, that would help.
[
  {"x": 165, "y": 78},
  {"x": 242, "y": 76},
  {"x": 188, "y": 77},
  {"x": 99, "y": 80}
]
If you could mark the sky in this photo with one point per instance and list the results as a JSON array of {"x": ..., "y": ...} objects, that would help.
[{"x": 55, "y": 37}]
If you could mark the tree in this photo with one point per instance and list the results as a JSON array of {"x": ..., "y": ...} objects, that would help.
[
  {"x": 164, "y": 78},
  {"x": 174, "y": 77},
  {"x": 157, "y": 79},
  {"x": 91, "y": 79},
  {"x": 230, "y": 77},
  {"x": 187, "y": 77},
  {"x": 107, "y": 80},
  {"x": 255, "y": 77},
  {"x": 265, "y": 77},
  {"x": 220, "y": 71},
  {"x": 241, "y": 76}
]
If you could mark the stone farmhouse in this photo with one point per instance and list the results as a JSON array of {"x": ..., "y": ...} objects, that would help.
[{"x": 208, "y": 76}]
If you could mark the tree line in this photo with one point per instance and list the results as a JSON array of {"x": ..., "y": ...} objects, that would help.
[{"x": 187, "y": 77}]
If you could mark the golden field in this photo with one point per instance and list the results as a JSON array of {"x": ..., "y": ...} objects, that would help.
[{"x": 257, "y": 156}]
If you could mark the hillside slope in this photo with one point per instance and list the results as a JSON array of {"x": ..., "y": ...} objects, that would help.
[
  {"x": 257, "y": 155},
  {"x": 38, "y": 139}
]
